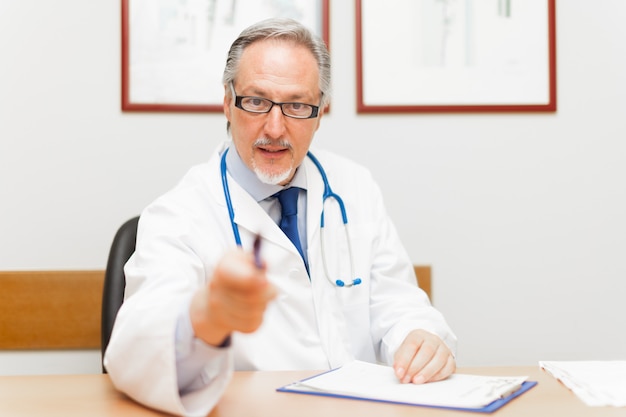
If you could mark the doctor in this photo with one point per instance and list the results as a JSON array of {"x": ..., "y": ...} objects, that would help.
[{"x": 204, "y": 299}]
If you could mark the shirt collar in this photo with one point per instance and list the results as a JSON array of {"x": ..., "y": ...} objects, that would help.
[{"x": 248, "y": 180}]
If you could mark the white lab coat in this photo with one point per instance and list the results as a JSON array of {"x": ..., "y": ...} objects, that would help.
[{"x": 312, "y": 324}]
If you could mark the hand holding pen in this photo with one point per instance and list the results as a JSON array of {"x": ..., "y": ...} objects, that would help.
[{"x": 235, "y": 297}]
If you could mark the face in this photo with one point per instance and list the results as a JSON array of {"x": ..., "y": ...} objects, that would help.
[{"x": 272, "y": 144}]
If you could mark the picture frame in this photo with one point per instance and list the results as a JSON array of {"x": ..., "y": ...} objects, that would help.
[
  {"x": 174, "y": 51},
  {"x": 429, "y": 56}
]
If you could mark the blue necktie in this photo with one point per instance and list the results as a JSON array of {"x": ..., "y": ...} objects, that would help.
[{"x": 289, "y": 211}]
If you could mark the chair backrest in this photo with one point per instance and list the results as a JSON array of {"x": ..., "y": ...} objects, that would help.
[{"x": 122, "y": 248}]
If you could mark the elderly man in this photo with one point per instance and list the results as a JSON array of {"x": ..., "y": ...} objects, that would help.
[{"x": 248, "y": 263}]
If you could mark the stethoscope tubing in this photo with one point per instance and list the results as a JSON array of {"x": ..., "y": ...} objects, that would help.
[
  {"x": 328, "y": 193},
  {"x": 229, "y": 202}
]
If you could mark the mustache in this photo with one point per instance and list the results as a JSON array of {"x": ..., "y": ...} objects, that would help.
[{"x": 267, "y": 141}]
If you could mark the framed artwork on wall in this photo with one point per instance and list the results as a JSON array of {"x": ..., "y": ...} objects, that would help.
[
  {"x": 456, "y": 56},
  {"x": 174, "y": 51}
]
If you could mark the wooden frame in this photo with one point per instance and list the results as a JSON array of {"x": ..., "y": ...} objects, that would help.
[
  {"x": 456, "y": 56},
  {"x": 172, "y": 58}
]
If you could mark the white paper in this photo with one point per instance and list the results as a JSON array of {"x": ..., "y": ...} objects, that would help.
[
  {"x": 378, "y": 382},
  {"x": 596, "y": 383}
]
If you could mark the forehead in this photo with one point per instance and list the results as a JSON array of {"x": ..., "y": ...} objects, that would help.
[{"x": 273, "y": 63}]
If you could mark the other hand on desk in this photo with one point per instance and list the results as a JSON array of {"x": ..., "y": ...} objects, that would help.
[{"x": 423, "y": 357}]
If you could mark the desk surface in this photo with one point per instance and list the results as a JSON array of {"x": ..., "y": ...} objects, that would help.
[{"x": 254, "y": 394}]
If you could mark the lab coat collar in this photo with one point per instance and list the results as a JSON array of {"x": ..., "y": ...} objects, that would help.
[{"x": 248, "y": 180}]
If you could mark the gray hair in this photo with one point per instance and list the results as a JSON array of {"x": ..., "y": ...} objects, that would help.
[{"x": 280, "y": 28}]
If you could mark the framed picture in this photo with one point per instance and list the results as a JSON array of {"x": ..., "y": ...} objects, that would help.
[
  {"x": 456, "y": 56},
  {"x": 174, "y": 51}
]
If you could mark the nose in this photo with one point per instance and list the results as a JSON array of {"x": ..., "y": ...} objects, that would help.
[{"x": 275, "y": 123}]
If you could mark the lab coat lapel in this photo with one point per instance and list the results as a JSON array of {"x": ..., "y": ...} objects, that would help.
[{"x": 250, "y": 217}]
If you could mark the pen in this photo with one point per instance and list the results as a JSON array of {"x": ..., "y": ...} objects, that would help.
[{"x": 257, "y": 252}]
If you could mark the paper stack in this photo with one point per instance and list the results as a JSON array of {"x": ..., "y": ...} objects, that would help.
[
  {"x": 367, "y": 381},
  {"x": 596, "y": 383}
]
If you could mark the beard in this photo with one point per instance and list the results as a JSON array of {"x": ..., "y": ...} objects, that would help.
[{"x": 272, "y": 178}]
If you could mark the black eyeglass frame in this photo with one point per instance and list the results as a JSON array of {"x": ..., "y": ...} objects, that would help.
[{"x": 239, "y": 99}]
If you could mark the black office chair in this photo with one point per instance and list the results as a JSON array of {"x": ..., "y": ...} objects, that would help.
[{"x": 122, "y": 248}]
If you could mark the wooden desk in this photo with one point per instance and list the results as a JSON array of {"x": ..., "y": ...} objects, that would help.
[{"x": 254, "y": 394}]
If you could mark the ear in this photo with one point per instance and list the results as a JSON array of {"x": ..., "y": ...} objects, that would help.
[{"x": 227, "y": 102}]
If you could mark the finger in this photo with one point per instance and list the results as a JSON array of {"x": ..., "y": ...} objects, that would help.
[
  {"x": 253, "y": 293},
  {"x": 237, "y": 271},
  {"x": 434, "y": 364},
  {"x": 446, "y": 371},
  {"x": 422, "y": 364},
  {"x": 404, "y": 357},
  {"x": 240, "y": 309},
  {"x": 241, "y": 302},
  {"x": 244, "y": 317}
]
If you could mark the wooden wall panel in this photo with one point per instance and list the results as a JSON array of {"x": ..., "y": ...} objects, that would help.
[
  {"x": 50, "y": 309},
  {"x": 423, "y": 274},
  {"x": 61, "y": 309}
]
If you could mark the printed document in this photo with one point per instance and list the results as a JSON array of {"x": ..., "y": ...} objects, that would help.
[
  {"x": 596, "y": 383},
  {"x": 365, "y": 380}
]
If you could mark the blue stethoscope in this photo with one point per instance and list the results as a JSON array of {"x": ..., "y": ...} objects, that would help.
[{"x": 328, "y": 193}]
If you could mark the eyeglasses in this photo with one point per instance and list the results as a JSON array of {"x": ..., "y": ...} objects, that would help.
[{"x": 263, "y": 105}]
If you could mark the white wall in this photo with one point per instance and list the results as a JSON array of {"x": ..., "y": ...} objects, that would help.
[{"x": 522, "y": 216}]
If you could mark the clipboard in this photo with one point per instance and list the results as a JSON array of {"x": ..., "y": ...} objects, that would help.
[{"x": 387, "y": 388}]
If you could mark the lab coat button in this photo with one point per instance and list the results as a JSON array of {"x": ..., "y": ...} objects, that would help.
[{"x": 293, "y": 273}]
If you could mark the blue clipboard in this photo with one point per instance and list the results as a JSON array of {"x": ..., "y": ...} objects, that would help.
[{"x": 489, "y": 408}]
